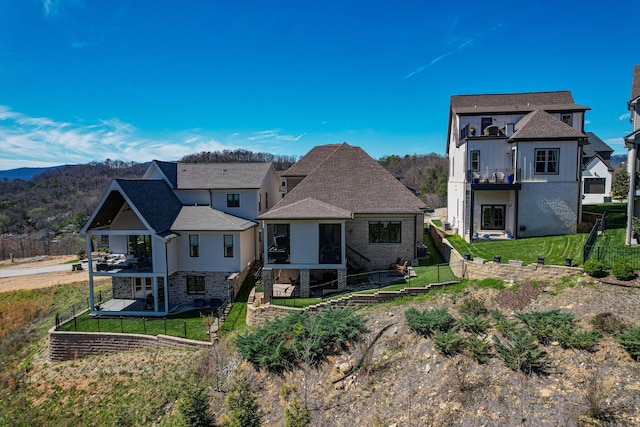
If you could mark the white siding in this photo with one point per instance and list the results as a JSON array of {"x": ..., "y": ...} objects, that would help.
[
  {"x": 568, "y": 158},
  {"x": 118, "y": 244},
  {"x": 304, "y": 242},
  {"x": 245, "y": 248},
  {"x": 193, "y": 197},
  {"x": 172, "y": 256},
  {"x": 596, "y": 169},
  {"x": 127, "y": 220},
  {"x": 248, "y": 203},
  {"x": 211, "y": 253}
]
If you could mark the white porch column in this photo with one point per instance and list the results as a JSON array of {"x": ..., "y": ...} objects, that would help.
[{"x": 632, "y": 159}]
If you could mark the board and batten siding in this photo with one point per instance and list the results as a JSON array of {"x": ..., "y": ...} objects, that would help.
[
  {"x": 193, "y": 197},
  {"x": 248, "y": 202},
  {"x": 304, "y": 243},
  {"x": 211, "y": 252}
]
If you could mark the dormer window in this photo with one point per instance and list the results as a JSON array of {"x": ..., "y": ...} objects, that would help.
[
  {"x": 567, "y": 118},
  {"x": 484, "y": 123}
]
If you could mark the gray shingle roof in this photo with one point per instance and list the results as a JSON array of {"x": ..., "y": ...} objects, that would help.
[
  {"x": 196, "y": 176},
  {"x": 596, "y": 145},
  {"x": 156, "y": 202},
  {"x": 170, "y": 170},
  {"x": 311, "y": 160},
  {"x": 514, "y": 102},
  {"x": 204, "y": 218},
  {"x": 635, "y": 83},
  {"x": 308, "y": 208},
  {"x": 351, "y": 180},
  {"x": 541, "y": 125}
]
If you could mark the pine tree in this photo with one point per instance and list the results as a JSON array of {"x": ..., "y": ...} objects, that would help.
[
  {"x": 620, "y": 184},
  {"x": 242, "y": 404},
  {"x": 194, "y": 405}
]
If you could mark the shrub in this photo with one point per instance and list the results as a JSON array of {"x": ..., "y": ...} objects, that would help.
[
  {"x": 448, "y": 343},
  {"x": 430, "y": 320},
  {"x": 243, "y": 409},
  {"x": 520, "y": 352},
  {"x": 280, "y": 343},
  {"x": 480, "y": 348},
  {"x": 608, "y": 323},
  {"x": 594, "y": 268},
  {"x": 572, "y": 337},
  {"x": 472, "y": 306},
  {"x": 622, "y": 270},
  {"x": 297, "y": 414},
  {"x": 194, "y": 405},
  {"x": 474, "y": 324},
  {"x": 545, "y": 324},
  {"x": 630, "y": 340}
]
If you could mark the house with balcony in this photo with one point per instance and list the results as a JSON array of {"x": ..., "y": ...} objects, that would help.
[
  {"x": 184, "y": 235},
  {"x": 342, "y": 210},
  {"x": 632, "y": 141},
  {"x": 515, "y": 163},
  {"x": 596, "y": 171}
]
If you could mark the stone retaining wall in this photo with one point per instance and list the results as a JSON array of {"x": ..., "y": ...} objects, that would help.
[
  {"x": 257, "y": 315},
  {"x": 476, "y": 270},
  {"x": 74, "y": 345}
]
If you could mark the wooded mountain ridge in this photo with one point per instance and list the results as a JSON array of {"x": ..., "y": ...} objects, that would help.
[{"x": 60, "y": 199}]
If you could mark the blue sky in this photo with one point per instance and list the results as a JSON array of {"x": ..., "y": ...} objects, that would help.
[{"x": 141, "y": 80}]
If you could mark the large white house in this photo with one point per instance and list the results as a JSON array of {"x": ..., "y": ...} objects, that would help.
[
  {"x": 515, "y": 164},
  {"x": 184, "y": 235}
]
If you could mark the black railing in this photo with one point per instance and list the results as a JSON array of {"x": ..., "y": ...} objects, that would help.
[{"x": 356, "y": 259}]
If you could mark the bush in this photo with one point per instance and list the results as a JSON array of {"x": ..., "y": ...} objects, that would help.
[
  {"x": 594, "y": 268},
  {"x": 545, "y": 324},
  {"x": 430, "y": 320},
  {"x": 608, "y": 323},
  {"x": 623, "y": 270},
  {"x": 194, "y": 405},
  {"x": 474, "y": 324},
  {"x": 480, "y": 348},
  {"x": 448, "y": 343},
  {"x": 630, "y": 340},
  {"x": 572, "y": 337},
  {"x": 472, "y": 306},
  {"x": 297, "y": 414},
  {"x": 280, "y": 343},
  {"x": 243, "y": 409},
  {"x": 520, "y": 352}
]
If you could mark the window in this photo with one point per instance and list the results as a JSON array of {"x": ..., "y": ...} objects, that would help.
[
  {"x": 567, "y": 119},
  {"x": 547, "y": 161},
  {"x": 330, "y": 243},
  {"x": 259, "y": 202},
  {"x": 475, "y": 160},
  {"x": 594, "y": 185},
  {"x": 104, "y": 240},
  {"x": 266, "y": 200},
  {"x": 233, "y": 200},
  {"x": 195, "y": 285},
  {"x": 194, "y": 245},
  {"x": 484, "y": 123},
  {"x": 385, "y": 232},
  {"x": 493, "y": 217},
  {"x": 228, "y": 246}
]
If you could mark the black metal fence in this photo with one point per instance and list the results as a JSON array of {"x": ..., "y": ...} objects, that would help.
[{"x": 609, "y": 255}]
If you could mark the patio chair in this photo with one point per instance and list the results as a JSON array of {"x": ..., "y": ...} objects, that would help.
[{"x": 498, "y": 177}]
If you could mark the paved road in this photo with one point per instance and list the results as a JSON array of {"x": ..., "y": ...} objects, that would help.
[{"x": 34, "y": 270}]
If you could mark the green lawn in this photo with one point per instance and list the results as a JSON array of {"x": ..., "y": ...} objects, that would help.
[
  {"x": 554, "y": 249},
  {"x": 191, "y": 325}
]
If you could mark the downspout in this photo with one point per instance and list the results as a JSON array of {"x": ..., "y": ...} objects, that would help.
[{"x": 632, "y": 159}]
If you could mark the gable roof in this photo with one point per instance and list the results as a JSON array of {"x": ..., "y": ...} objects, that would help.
[
  {"x": 596, "y": 145},
  {"x": 514, "y": 102},
  {"x": 349, "y": 179},
  {"x": 219, "y": 176},
  {"x": 204, "y": 218},
  {"x": 152, "y": 199},
  {"x": 311, "y": 160},
  {"x": 541, "y": 125},
  {"x": 170, "y": 170},
  {"x": 308, "y": 208}
]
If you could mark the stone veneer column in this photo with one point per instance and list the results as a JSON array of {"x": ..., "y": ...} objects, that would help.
[
  {"x": 304, "y": 283},
  {"x": 342, "y": 279},
  {"x": 267, "y": 281}
]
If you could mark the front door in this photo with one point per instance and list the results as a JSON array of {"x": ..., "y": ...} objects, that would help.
[
  {"x": 493, "y": 217},
  {"x": 141, "y": 287}
]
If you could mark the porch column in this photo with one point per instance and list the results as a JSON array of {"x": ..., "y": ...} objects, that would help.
[
  {"x": 342, "y": 279},
  {"x": 90, "y": 268},
  {"x": 304, "y": 283},
  {"x": 165, "y": 285},
  {"x": 154, "y": 286},
  {"x": 267, "y": 281},
  {"x": 632, "y": 159}
]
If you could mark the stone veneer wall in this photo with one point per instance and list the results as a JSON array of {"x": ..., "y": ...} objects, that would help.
[
  {"x": 74, "y": 345},
  {"x": 216, "y": 285}
]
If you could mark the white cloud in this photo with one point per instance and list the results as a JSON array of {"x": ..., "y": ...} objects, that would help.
[
  {"x": 624, "y": 116},
  {"x": 617, "y": 144},
  {"x": 421, "y": 68},
  {"x": 273, "y": 135},
  {"x": 41, "y": 141}
]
